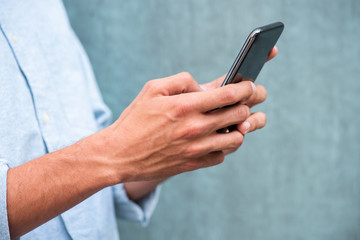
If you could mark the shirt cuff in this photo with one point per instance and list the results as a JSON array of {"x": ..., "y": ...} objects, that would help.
[
  {"x": 4, "y": 225},
  {"x": 141, "y": 210}
]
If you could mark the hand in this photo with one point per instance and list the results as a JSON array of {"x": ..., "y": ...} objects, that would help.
[
  {"x": 169, "y": 128},
  {"x": 256, "y": 120}
]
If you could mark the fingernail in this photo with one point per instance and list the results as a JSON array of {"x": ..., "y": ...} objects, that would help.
[
  {"x": 253, "y": 86},
  {"x": 247, "y": 126},
  {"x": 203, "y": 88}
]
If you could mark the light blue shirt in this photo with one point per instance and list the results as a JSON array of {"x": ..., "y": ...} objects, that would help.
[{"x": 48, "y": 100}]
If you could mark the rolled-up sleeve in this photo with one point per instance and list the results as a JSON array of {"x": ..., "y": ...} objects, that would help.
[
  {"x": 4, "y": 225},
  {"x": 140, "y": 211}
]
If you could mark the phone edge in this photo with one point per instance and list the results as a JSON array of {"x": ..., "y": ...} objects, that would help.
[
  {"x": 245, "y": 48},
  {"x": 241, "y": 55}
]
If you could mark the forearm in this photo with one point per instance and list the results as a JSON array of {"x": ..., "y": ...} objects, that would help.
[
  {"x": 137, "y": 190},
  {"x": 43, "y": 188}
]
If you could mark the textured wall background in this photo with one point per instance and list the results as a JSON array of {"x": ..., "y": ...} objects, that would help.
[{"x": 299, "y": 178}]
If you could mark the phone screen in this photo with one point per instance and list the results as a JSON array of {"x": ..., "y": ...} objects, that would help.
[{"x": 254, "y": 53}]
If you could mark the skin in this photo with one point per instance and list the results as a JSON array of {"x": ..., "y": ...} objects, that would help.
[
  {"x": 168, "y": 129},
  {"x": 257, "y": 120}
]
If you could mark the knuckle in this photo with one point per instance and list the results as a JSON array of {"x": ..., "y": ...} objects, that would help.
[
  {"x": 238, "y": 140},
  {"x": 196, "y": 128},
  {"x": 193, "y": 151},
  {"x": 187, "y": 78},
  {"x": 183, "y": 108},
  {"x": 185, "y": 75},
  {"x": 229, "y": 96},
  {"x": 248, "y": 89},
  {"x": 243, "y": 112},
  {"x": 190, "y": 131},
  {"x": 150, "y": 85}
]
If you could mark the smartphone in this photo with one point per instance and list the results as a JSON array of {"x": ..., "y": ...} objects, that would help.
[
  {"x": 254, "y": 53},
  {"x": 252, "y": 57}
]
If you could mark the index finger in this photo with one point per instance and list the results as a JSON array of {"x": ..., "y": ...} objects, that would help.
[{"x": 221, "y": 97}]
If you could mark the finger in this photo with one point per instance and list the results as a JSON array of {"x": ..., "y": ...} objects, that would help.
[
  {"x": 225, "y": 117},
  {"x": 214, "y": 84},
  {"x": 173, "y": 85},
  {"x": 255, "y": 121},
  {"x": 220, "y": 97},
  {"x": 272, "y": 53},
  {"x": 214, "y": 143},
  {"x": 209, "y": 160},
  {"x": 258, "y": 97},
  {"x": 228, "y": 151}
]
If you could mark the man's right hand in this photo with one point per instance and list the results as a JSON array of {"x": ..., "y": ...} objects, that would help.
[{"x": 170, "y": 128}]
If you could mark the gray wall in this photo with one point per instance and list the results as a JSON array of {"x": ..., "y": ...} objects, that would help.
[{"x": 299, "y": 178}]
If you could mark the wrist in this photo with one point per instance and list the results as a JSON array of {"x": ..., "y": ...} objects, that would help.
[
  {"x": 97, "y": 153},
  {"x": 88, "y": 156}
]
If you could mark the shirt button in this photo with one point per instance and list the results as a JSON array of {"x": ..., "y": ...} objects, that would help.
[{"x": 46, "y": 118}]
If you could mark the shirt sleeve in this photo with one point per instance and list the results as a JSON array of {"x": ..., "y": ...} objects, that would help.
[
  {"x": 140, "y": 211},
  {"x": 4, "y": 225}
]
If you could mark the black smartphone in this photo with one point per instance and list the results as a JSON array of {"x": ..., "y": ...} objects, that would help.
[
  {"x": 254, "y": 53},
  {"x": 252, "y": 57}
]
